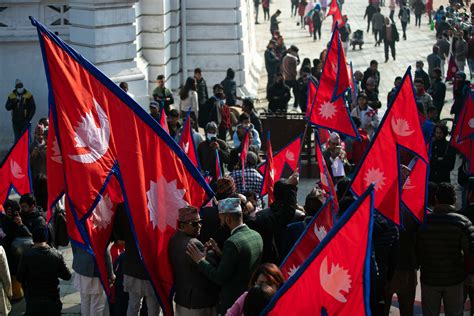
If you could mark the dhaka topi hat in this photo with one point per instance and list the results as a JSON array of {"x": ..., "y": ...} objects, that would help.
[
  {"x": 187, "y": 213},
  {"x": 230, "y": 205}
]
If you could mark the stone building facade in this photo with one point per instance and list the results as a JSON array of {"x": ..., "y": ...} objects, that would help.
[{"x": 130, "y": 41}]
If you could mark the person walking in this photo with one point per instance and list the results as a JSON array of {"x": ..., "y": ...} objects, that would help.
[
  {"x": 289, "y": 69},
  {"x": 390, "y": 37},
  {"x": 369, "y": 13},
  {"x": 188, "y": 99},
  {"x": 240, "y": 256},
  {"x": 378, "y": 22},
  {"x": 230, "y": 87},
  {"x": 460, "y": 51},
  {"x": 301, "y": 11},
  {"x": 392, "y": 7},
  {"x": 345, "y": 32},
  {"x": 434, "y": 60},
  {"x": 419, "y": 9},
  {"x": 274, "y": 23},
  {"x": 404, "y": 16},
  {"x": 294, "y": 7},
  {"x": 266, "y": 10},
  {"x": 256, "y": 4},
  {"x": 317, "y": 19}
]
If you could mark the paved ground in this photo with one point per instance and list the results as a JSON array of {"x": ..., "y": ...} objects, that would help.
[{"x": 418, "y": 46}]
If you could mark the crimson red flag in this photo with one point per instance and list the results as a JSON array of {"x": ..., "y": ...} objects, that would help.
[
  {"x": 54, "y": 169},
  {"x": 15, "y": 168},
  {"x": 329, "y": 109},
  {"x": 466, "y": 122},
  {"x": 243, "y": 154},
  {"x": 218, "y": 166},
  {"x": 333, "y": 8},
  {"x": 311, "y": 94},
  {"x": 324, "y": 175},
  {"x": 103, "y": 132},
  {"x": 285, "y": 161},
  {"x": 269, "y": 174},
  {"x": 313, "y": 234},
  {"x": 163, "y": 119},
  {"x": 415, "y": 187},
  {"x": 464, "y": 146},
  {"x": 452, "y": 68},
  {"x": 400, "y": 126},
  {"x": 186, "y": 141},
  {"x": 332, "y": 278}
]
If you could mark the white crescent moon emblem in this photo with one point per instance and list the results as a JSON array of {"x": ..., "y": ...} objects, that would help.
[
  {"x": 91, "y": 137},
  {"x": 401, "y": 127}
]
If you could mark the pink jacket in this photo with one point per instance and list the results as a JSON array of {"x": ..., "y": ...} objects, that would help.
[{"x": 238, "y": 308}]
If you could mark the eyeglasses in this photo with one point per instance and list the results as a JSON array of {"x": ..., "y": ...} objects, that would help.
[{"x": 194, "y": 223}]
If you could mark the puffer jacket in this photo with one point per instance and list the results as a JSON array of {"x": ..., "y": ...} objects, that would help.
[{"x": 443, "y": 242}]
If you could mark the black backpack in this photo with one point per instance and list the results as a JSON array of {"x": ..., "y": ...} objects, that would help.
[{"x": 58, "y": 228}]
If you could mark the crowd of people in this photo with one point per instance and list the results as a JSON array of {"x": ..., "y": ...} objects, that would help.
[{"x": 225, "y": 256}]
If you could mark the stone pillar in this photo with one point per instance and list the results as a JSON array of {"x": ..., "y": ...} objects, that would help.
[
  {"x": 221, "y": 34},
  {"x": 104, "y": 32},
  {"x": 158, "y": 38}
]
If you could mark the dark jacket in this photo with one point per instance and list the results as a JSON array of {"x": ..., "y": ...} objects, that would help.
[
  {"x": 278, "y": 97},
  {"x": 302, "y": 94},
  {"x": 39, "y": 270},
  {"x": 369, "y": 73},
  {"x": 385, "y": 242},
  {"x": 201, "y": 89},
  {"x": 460, "y": 94},
  {"x": 442, "y": 160},
  {"x": 22, "y": 106},
  {"x": 271, "y": 63},
  {"x": 207, "y": 111},
  {"x": 271, "y": 224},
  {"x": 419, "y": 7},
  {"x": 241, "y": 255},
  {"x": 132, "y": 265},
  {"x": 438, "y": 93},
  {"x": 406, "y": 251},
  {"x": 33, "y": 220},
  {"x": 207, "y": 156},
  {"x": 257, "y": 124},
  {"x": 443, "y": 241},
  {"x": 230, "y": 90},
  {"x": 193, "y": 289},
  {"x": 369, "y": 12},
  {"x": 211, "y": 227},
  {"x": 395, "y": 36},
  {"x": 424, "y": 76}
]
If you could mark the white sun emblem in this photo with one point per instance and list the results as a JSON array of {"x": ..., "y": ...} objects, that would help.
[
  {"x": 292, "y": 270},
  {"x": 164, "y": 200},
  {"x": 335, "y": 280},
  {"x": 401, "y": 127},
  {"x": 471, "y": 123},
  {"x": 327, "y": 110},
  {"x": 374, "y": 175},
  {"x": 102, "y": 215}
]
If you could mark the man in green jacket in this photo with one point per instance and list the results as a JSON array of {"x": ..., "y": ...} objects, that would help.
[
  {"x": 22, "y": 105},
  {"x": 239, "y": 257}
]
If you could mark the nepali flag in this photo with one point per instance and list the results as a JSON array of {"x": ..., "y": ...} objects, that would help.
[
  {"x": 414, "y": 190},
  {"x": 15, "y": 169},
  {"x": 400, "y": 127},
  {"x": 329, "y": 109},
  {"x": 186, "y": 141},
  {"x": 243, "y": 153},
  {"x": 466, "y": 122},
  {"x": 452, "y": 68},
  {"x": 164, "y": 119},
  {"x": 464, "y": 146},
  {"x": 285, "y": 162},
  {"x": 312, "y": 87},
  {"x": 54, "y": 169},
  {"x": 324, "y": 175},
  {"x": 333, "y": 8},
  {"x": 333, "y": 279},
  {"x": 269, "y": 174},
  {"x": 354, "y": 91},
  {"x": 103, "y": 133},
  {"x": 314, "y": 233}
]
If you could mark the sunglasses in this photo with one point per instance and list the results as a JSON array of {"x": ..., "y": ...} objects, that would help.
[{"x": 194, "y": 223}]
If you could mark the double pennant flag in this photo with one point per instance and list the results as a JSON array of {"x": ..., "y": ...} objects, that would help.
[
  {"x": 112, "y": 150},
  {"x": 414, "y": 189},
  {"x": 399, "y": 128},
  {"x": 328, "y": 107},
  {"x": 336, "y": 13},
  {"x": 462, "y": 137},
  {"x": 285, "y": 162},
  {"x": 186, "y": 141},
  {"x": 15, "y": 169},
  {"x": 269, "y": 174},
  {"x": 333, "y": 279}
]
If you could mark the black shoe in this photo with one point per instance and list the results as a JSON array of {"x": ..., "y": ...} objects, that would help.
[
  {"x": 386, "y": 60},
  {"x": 393, "y": 57}
]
